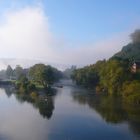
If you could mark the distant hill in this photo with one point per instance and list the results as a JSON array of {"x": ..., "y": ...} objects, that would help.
[{"x": 130, "y": 51}]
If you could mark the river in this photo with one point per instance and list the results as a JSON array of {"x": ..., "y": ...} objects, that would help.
[{"x": 73, "y": 113}]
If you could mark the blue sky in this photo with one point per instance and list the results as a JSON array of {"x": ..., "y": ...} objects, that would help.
[
  {"x": 83, "y": 23},
  {"x": 86, "y": 20},
  {"x": 92, "y": 19}
]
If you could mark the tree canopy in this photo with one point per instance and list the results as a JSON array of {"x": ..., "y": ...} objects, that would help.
[
  {"x": 9, "y": 71},
  {"x": 44, "y": 75}
]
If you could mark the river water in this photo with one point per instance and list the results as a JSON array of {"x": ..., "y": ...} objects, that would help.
[{"x": 73, "y": 113}]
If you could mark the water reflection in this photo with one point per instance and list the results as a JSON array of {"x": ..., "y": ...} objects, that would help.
[
  {"x": 44, "y": 103},
  {"x": 79, "y": 114},
  {"x": 112, "y": 109},
  {"x": 8, "y": 90}
]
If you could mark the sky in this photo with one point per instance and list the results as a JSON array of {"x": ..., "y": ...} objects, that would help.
[{"x": 74, "y": 32}]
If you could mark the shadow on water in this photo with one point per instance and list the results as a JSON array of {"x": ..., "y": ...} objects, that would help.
[
  {"x": 112, "y": 109},
  {"x": 43, "y": 102}
]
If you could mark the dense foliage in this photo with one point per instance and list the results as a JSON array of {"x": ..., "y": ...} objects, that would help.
[
  {"x": 9, "y": 71},
  {"x": 37, "y": 77},
  {"x": 44, "y": 75},
  {"x": 23, "y": 85},
  {"x": 114, "y": 76},
  {"x": 131, "y": 91}
]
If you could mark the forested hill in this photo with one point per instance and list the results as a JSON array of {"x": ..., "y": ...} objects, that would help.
[
  {"x": 114, "y": 76},
  {"x": 130, "y": 51}
]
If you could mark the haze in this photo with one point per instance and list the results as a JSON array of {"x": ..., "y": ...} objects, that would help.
[{"x": 63, "y": 33}]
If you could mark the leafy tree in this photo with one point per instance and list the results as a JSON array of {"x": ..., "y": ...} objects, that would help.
[
  {"x": 9, "y": 71},
  {"x": 24, "y": 85},
  {"x": 18, "y": 72},
  {"x": 131, "y": 91},
  {"x": 105, "y": 75},
  {"x": 42, "y": 74},
  {"x": 86, "y": 76},
  {"x": 113, "y": 74}
]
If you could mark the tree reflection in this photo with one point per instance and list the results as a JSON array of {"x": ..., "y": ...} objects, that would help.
[
  {"x": 44, "y": 103},
  {"x": 46, "y": 107},
  {"x": 133, "y": 113},
  {"x": 8, "y": 90},
  {"x": 112, "y": 109}
]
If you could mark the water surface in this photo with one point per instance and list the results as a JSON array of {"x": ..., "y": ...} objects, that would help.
[{"x": 72, "y": 114}]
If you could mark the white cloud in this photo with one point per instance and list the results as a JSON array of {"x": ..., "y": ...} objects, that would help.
[{"x": 25, "y": 33}]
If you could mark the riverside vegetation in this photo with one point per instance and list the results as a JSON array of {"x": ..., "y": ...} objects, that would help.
[
  {"x": 38, "y": 78},
  {"x": 114, "y": 76}
]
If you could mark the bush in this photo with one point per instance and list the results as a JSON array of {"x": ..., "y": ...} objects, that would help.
[
  {"x": 130, "y": 88},
  {"x": 22, "y": 89},
  {"x": 34, "y": 95},
  {"x": 31, "y": 87},
  {"x": 131, "y": 92}
]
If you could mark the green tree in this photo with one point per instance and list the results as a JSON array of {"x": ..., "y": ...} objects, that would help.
[
  {"x": 42, "y": 74},
  {"x": 24, "y": 85},
  {"x": 131, "y": 91},
  {"x": 113, "y": 75},
  {"x": 9, "y": 71},
  {"x": 18, "y": 72}
]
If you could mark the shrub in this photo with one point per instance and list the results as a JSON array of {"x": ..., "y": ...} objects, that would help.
[
  {"x": 34, "y": 95},
  {"x": 131, "y": 92}
]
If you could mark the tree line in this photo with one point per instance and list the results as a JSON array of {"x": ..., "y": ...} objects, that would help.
[
  {"x": 113, "y": 76},
  {"x": 27, "y": 80}
]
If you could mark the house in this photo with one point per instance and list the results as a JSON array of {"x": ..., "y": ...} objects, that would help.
[{"x": 135, "y": 66}]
